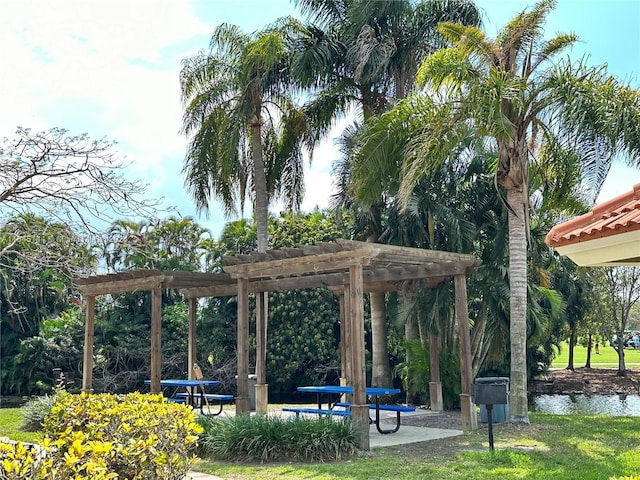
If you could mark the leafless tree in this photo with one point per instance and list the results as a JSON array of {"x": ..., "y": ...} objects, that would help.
[{"x": 73, "y": 179}]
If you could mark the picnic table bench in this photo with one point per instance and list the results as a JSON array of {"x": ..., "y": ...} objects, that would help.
[
  {"x": 317, "y": 411},
  {"x": 193, "y": 393},
  {"x": 347, "y": 390},
  {"x": 214, "y": 397},
  {"x": 384, "y": 407}
]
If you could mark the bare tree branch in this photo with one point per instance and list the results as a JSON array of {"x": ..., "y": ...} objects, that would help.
[{"x": 72, "y": 179}]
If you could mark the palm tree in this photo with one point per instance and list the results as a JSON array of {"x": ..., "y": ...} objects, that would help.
[
  {"x": 364, "y": 54},
  {"x": 245, "y": 132},
  {"x": 502, "y": 89}
]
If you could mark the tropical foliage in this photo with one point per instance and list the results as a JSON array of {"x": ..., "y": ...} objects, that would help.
[
  {"x": 509, "y": 92},
  {"x": 245, "y": 132}
]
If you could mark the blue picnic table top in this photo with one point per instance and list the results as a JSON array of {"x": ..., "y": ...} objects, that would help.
[
  {"x": 180, "y": 382},
  {"x": 348, "y": 390}
]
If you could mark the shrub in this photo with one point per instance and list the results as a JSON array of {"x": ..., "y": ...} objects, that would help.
[
  {"x": 134, "y": 436},
  {"x": 35, "y": 411},
  {"x": 270, "y": 438},
  {"x": 18, "y": 461}
]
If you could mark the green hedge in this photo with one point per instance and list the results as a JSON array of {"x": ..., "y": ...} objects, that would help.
[{"x": 271, "y": 438}]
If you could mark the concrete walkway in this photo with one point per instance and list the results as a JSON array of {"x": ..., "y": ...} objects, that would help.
[{"x": 201, "y": 476}]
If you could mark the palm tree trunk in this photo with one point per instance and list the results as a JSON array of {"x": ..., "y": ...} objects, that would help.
[
  {"x": 261, "y": 203},
  {"x": 518, "y": 304},
  {"x": 381, "y": 371},
  {"x": 261, "y": 212}
]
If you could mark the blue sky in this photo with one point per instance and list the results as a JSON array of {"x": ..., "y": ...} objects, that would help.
[{"x": 111, "y": 69}]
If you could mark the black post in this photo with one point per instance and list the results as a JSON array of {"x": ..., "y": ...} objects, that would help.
[{"x": 490, "y": 422}]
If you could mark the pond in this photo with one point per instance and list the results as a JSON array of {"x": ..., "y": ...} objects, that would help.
[{"x": 617, "y": 405}]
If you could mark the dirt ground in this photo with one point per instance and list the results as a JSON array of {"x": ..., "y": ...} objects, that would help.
[{"x": 590, "y": 381}]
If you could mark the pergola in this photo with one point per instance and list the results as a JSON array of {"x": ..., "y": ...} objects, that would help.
[{"x": 348, "y": 267}]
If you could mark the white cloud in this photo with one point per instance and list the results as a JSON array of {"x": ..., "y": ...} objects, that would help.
[
  {"x": 106, "y": 68},
  {"x": 110, "y": 68}
]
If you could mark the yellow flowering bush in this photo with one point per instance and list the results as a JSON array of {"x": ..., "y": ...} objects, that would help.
[
  {"x": 18, "y": 461},
  {"x": 134, "y": 436}
]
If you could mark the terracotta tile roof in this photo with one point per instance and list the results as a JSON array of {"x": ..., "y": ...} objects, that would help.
[{"x": 618, "y": 215}]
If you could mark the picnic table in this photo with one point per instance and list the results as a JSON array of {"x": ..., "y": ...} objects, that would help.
[
  {"x": 192, "y": 392},
  {"x": 332, "y": 395}
]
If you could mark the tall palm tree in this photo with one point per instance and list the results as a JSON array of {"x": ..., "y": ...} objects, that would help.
[
  {"x": 364, "y": 54},
  {"x": 511, "y": 93},
  {"x": 246, "y": 134}
]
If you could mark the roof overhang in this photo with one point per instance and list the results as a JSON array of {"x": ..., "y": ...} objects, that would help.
[
  {"x": 608, "y": 235},
  {"x": 615, "y": 250}
]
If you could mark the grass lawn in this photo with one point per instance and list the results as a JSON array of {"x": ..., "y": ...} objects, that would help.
[
  {"x": 608, "y": 357},
  {"x": 552, "y": 447},
  {"x": 10, "y": 421}
]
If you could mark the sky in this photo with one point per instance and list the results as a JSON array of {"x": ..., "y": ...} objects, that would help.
[{"x": 110, "y": 69}]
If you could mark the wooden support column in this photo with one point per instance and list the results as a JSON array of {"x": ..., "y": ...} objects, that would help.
[
  {"x": 411, "y": 334},
  {"x": 262, "y": 389},
  {"x": 468, "y": 409},
  {"x": 87, "y": 361},
  {"x": 435, "y": 385},
  {"x": 242, "y": 398},
  {"x": 345, "y": 361},
  {"x": 192, "y": 355},
  {"x": 156, "y": 336},
  {"x": 360, "y": 407}
]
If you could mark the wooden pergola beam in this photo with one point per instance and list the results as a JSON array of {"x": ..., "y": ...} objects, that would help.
[
  {"x": 308, "y": 264},
  {"x": 372, "y": 276},
  {"x": 125, "y": 286}
]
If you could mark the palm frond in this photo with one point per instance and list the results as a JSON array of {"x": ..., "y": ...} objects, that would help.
[
  {"x": 208, "y": 170},
  {"x": 444, "y": 130},
  {"x": 324, "y": 12},
  {"x": 370, "y": 55},
  {"x": 228, "y": 41},
  {"x": 327, "y": 107},
  {"x": 523, "y": 31},
  {"x": 341, "y": 169},
  {"x": 447, "y": 68},
  {"x": 470, "y": 40},
  {"x": 319, "y": 57},
  {"x": 550, "y": 48},
  {"x": 378, "y": 162}
]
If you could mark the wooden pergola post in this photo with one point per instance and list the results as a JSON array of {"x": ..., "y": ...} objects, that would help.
[
  {"x": 343, "y": 345},
  {"x": 435, "y": 385},
  {"x": 89, "y": 329},
  {"x": 156, "y": 336},
  {"x": 468, "y": 409},
  {"x": 360, "y": 407},
  {"x": 192, "y": 353},
  {"x": 242, "y": 398},
  {"x": 262, "y": 389}
]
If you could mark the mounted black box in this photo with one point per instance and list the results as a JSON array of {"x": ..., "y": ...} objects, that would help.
[{"x": 491, "y": 391}]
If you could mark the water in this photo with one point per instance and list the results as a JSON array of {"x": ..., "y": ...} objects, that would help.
[{"x": 616, "y": 405}]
